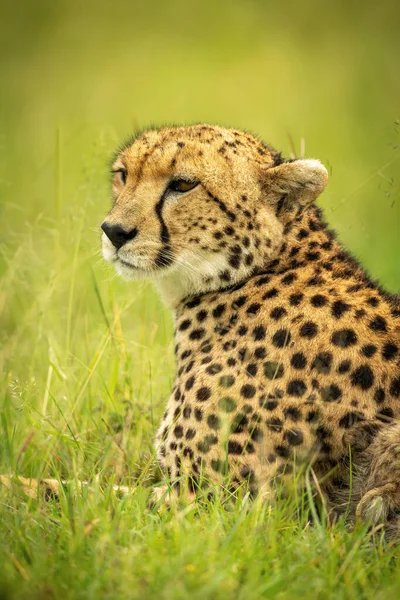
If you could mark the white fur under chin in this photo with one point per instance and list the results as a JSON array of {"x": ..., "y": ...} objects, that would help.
[{"x": 193, "y": 274}]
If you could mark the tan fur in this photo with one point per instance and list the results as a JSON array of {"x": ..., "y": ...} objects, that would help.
[{"x": 283, "y": 344}]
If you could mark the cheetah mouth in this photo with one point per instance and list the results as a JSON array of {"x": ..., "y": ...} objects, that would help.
[
  {"x": 126, "y": 264},
  {"x": 130, "y": 270}
]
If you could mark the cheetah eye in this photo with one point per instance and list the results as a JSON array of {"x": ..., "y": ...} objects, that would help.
[
  {"x": 182, "y": 185},
  {"x": 122, "y": 175}
]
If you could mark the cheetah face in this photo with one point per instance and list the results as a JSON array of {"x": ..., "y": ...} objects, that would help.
[{"x": 197, "y": 208}]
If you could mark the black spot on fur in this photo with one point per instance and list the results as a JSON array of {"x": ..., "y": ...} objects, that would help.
[
  {"x": 288, "y": 279},
  {"x": 373, "y": 302},
  {"x": 262, "y": 281},
  {"x": 389, "y": 351},
  {"x": 251, "y": 370},
  {"x": 282, "y": 451},
  {"x": 185, "y": 325},
  {"x": 331, "y": 393},
  {"x": 214, "y": 369},
  {"x": 344, "y": 338},
  {"x": 274, "y": 424},
  {"x": 395, "y": 387},
  {"x": 298, "y": 360},
  {"x": 197, "y": 334},
  {"x": 326, "y": 245},
  {"x": 253, "y": 309},
  {"x": 308, "y": 329},
  {"x": 272, "y": 293},
  {"x": 292, "y": 413},
  {"x": 323, "y": 362},
  {"x": 234, "y": 261},
  {"x": 189, "y": 383},
  {"x": 178, "y": 431},
  {"x": 369, "y": 350},
  {"x": 318, "y": 300},
  {"x": 219, "y": 466},
  {"x": 316, "y": 280},
  {"x": 281, "y": 338},
  {"x": 312, "y": 416},
  {"x": 339, "y": 308},
  {"x": 277, "y": 313},
  {"x": 219, "y": 310},
  {"x": 362, "y": 377},
  {"x": 312, "y": 256},
  {"x": 294, "y": 437},
  {"x": 248, "y": 391},
  {"x": 296, "y": 387},
  {"x": 234, "y": 447},
  {"x": 267, "y": 403},
  {"x": 378, "y": 324},
  {"x": 379, "y": 395},
  {"x": 295, "y": 299},
  {"x": 239, "y": 302},
  {"x": 303, "y": 233},
  {"x": 260, "y": 352},
  {"x": 344, "y": 366},
  {"x": 259, "y": 333},
  {"x": 203, "y": 394},
  {"x": 192, "y": 303},
  {"x": 385, "y": 415}
]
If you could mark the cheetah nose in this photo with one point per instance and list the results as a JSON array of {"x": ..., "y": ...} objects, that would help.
[{"x": 117, "y": 234}]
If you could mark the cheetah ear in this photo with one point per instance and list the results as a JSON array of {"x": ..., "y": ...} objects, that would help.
[{"x": 295, "y": 184}]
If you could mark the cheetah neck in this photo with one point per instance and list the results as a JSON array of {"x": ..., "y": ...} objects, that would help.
[{"x": 308, "y": 244}]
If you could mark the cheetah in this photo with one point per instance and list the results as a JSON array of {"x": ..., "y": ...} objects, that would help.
[{"x": 287, "y": 353}]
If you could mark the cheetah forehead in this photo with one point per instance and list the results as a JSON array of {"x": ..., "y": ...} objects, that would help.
[{"x": 193, "y": 141}]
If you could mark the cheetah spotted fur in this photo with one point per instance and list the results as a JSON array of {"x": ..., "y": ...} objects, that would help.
[{"x": 286, "y": 351}]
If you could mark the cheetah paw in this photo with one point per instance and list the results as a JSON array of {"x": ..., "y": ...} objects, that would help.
[{"x": 374, "y": 505}]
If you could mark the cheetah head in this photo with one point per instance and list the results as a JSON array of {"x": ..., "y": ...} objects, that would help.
[{"x": 201, "y": 208}]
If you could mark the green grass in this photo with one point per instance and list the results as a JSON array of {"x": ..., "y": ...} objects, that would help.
[{"x": 86, "y": 360}]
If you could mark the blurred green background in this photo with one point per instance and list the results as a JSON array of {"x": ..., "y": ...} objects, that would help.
[
  {"x": 314, "y": 78},
  {"x": 86, "y": 360}
]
